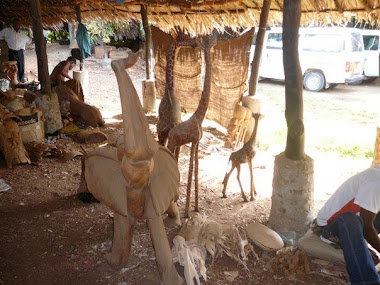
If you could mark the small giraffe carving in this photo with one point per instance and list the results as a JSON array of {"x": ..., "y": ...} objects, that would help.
[
  {"x": 169, "y": 112},
  {"x": 190, "y": 131},
  {"x": 244, "y": 155}
]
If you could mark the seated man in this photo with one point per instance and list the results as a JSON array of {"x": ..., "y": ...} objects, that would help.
[
  {"x": 350, "y": 218},
  {"x": 61, "y": 72}
]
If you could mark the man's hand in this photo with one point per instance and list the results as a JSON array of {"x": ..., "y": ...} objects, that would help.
[{"x": 369, "y": 231}]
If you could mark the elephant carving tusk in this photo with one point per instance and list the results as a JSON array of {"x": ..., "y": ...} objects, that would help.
[{"x": 139, "y": 144}]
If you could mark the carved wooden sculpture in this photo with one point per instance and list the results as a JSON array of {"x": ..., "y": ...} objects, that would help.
[
  {"x": 138, "y": 180},
  {"x": 244, "y": 155},
  {"x": 190, "y": 131},
  {"x": 169, "y": 112}
]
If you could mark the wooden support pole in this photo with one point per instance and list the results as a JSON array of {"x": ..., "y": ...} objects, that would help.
[
  {"x": 255, "y": 64},
  {"x": 42, "y": 62},
  {"x": 149, "y": 91},
  {"x": 79, "y": 19},
  {"x": 77, "y": 12},
  {"x": 295, "y": 143},
  {"x": 148, "y": 42}
]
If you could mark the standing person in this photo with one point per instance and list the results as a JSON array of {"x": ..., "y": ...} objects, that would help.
[
  {"x": 16, "y": 41},
  {"x": 350, "y": 217}
]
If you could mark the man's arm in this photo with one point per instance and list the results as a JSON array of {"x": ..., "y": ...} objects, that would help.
[
  {"x": 2, "y": 33},
  {"x": 369, "y": 231}
]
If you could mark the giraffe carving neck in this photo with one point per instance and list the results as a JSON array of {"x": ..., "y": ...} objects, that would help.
[
  {"x": 252, "y": 139},
  {"x": 203, "y": 103},
  {"x": 170, "y": 59}
]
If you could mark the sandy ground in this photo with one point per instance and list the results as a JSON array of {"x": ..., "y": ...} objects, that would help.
[{"x": 48, "y": 236}]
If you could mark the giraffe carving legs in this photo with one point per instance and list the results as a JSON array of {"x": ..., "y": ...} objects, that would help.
[
  {"x": 253, "y": 188},
  {"x": 189, "y": 180},
  {"x": 196, "y": 207},
  {"x": 241, "y": 187},
  {"x": 225, "y": 181},
  {"x": 227, "y": 176}
]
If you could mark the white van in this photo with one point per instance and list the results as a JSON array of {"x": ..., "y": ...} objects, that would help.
[
  {"x": 371, "y": 54},
  {"x": 328, "y": 56}
]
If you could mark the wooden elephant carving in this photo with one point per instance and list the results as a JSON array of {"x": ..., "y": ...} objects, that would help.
[{"x": 139, "y": 179}]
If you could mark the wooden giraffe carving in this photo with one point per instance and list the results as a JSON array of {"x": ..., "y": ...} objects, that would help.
[
  {"x": 169, "y": 112},
  {"x": 190, "y": 131},
  {"x": 244, "y": 155}
]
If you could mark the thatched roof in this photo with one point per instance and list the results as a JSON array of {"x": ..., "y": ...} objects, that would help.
[{"x": 195, "y": 16}]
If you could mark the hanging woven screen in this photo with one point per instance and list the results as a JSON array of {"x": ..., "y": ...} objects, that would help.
[
  {"x": 230, "y": 62},
  {"x": 187, "y": 71}
]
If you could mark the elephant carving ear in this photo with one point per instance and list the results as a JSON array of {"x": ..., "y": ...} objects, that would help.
[
  {"x": 105, "y": 180},
  {"x": 164, "y": 181},
  {"x": 139, "y": 143}
]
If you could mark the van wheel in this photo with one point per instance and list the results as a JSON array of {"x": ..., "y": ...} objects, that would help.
[{"x": 314, "y": 81}]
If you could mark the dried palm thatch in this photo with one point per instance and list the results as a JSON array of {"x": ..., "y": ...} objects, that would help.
[{"x": 194, "y": 16}]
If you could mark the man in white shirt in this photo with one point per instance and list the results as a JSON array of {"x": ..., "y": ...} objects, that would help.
[
  {"x": 16, "y": 41},
  {"x": 351, "y": 218}
]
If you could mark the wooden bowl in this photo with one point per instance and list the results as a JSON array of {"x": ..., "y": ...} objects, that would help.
[{"x": 264, "y": 237}]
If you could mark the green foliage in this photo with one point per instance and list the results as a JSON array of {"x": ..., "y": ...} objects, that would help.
[
  {"x": 54, "y": 36},
  {"x": 354, "y": 151},
  {"x": 99, "y": 30}
]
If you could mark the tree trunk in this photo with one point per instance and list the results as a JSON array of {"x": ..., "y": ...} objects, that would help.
[
  {"x": 43, "y": 71},
  {"x": 293, "y": 177},
  {"x": 295, "y": 143},
  {"x": 79, "y": 19},
  {"x": 259, "y": 48},
  {"x": 293, "y": 194},
  {"x": 376, "y": 151},
  {"x": 148, "y": 42}
]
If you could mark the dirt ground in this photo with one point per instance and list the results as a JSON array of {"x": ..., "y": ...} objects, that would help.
[{"x": 49, "y": 236}]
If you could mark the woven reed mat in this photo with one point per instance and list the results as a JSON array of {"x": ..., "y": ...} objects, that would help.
[{"x": 230, "y": 62}]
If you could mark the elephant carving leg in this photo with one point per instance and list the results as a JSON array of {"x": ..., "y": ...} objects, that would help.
[
  {"x": 168, "y": 273},
  {"x": 173, "y": 218},
  {"x": 122, "y": 240}
]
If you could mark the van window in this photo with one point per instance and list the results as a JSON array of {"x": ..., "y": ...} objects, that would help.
[
  {"x": 274, "y": 41},
  {"x": 371, "y": 42},
  {"x": 356, "y": 43},
  {"x": 322, "y": 43}
]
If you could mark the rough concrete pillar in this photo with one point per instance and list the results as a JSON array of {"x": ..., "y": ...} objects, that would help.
[
  {"x": 82, "y": 77},
  {"x": 49, "y": 105},
  {"x": 293, "y": 194},
  {"x": 149, "y": 95}
]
